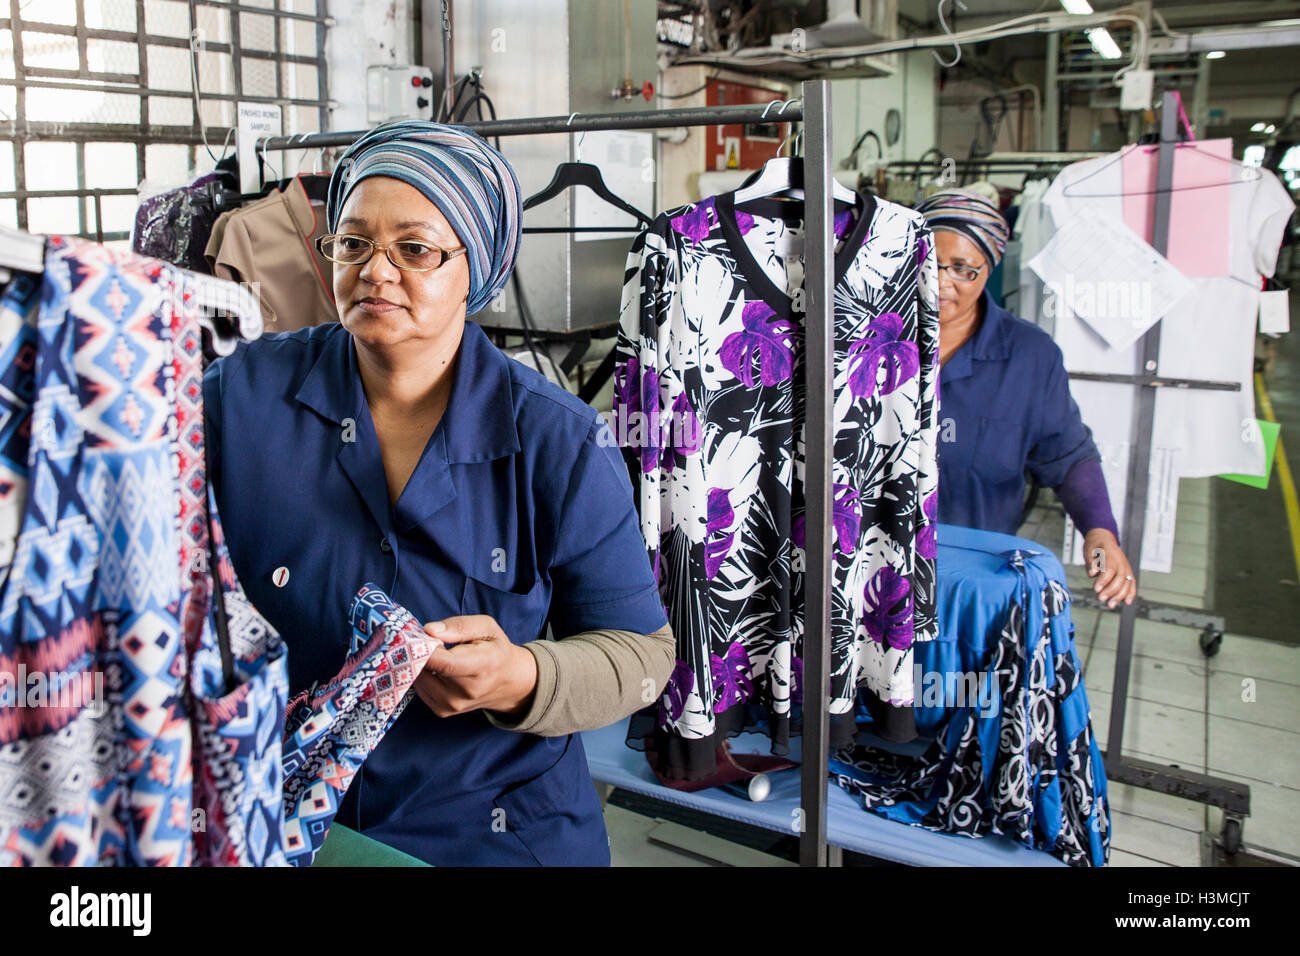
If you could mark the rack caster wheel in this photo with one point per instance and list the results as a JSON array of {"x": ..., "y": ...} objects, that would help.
[
  {"x": 1231, "y": 836},
  {"x": 1210, "y": 642}
]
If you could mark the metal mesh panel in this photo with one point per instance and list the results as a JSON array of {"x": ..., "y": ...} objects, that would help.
[{"x": 98, "y": 95}]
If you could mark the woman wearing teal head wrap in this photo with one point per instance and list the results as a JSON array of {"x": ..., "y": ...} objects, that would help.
[
  {"x": 400, "y": 447},
  {"x": 471, "y": 185}
]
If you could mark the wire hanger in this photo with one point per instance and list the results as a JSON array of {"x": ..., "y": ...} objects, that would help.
[
  {"x": 793, "y": 140},
  {"x": 263, "y": 163},
  {"x": 782, "y": 177},
  {"x": 1251, "y": 174},
  {"x": 317, "y": 164}
]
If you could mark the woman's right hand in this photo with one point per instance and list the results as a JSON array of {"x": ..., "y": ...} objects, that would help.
[{"x": 480, "y": 668}]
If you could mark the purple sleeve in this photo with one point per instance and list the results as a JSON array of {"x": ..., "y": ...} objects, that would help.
[{"x": 1084, "y": 495}]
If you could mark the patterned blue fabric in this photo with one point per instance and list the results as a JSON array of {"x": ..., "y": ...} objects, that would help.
[
  {"x": 107, "y": 594},
  {"x": 332, "y": 728},
  {"x": 470, "y": 182},
  {"x": 1019, "y": 758},
  {"x": 239, "y": 779}
]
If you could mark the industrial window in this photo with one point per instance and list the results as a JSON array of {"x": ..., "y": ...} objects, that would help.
[{"x": 97, "y": 96}]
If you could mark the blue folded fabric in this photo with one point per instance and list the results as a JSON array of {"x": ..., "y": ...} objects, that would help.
[{"x": 1001, "y": 692}]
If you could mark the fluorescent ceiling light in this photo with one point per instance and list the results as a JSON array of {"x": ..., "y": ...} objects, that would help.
[
  {"x": 1215, "y": 55},
  {"x": 1258, "y": 128},
  {"x": 1270, "y": 128},
  {"x": 1104, "y": 44}
]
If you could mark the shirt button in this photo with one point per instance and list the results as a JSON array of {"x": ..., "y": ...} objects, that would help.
[{"x": 384, "y": 546}]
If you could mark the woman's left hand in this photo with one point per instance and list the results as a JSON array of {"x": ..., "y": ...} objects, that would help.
[
  {"x": 1107, "y": 563},
  {"x": 479, "y": 669}
]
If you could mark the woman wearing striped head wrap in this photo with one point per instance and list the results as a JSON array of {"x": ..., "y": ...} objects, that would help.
[
  {"x": 487, "y": 501},
  {"x": 1005, "y": 401}
]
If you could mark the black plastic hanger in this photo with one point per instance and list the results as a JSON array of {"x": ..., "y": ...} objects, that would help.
[
  {"x": 568, "y": 175},
  {"x": 315, "y": 185},
  {"x": 220, "y": 616}
]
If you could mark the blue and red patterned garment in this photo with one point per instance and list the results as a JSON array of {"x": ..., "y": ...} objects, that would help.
[
  {"x": 104, "y": 605},
  {"x": 123, "y": 739},
  {"x": 333, "y": 727}
]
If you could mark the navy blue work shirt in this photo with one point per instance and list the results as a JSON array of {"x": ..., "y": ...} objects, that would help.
[
  {"x": 1004, "y": 408},
  {"x": 517, "y": 509}
]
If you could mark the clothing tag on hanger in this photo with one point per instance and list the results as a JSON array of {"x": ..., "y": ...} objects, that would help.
[{"x": 1275, "y": 312}]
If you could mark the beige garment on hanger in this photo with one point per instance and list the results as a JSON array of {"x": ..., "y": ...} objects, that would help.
[{"x": 272, "y": 242}]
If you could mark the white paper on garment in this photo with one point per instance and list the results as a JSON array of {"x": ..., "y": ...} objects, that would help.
[
  {"x": 1105, "y": 273},
  {"x": 1162, "y": 506},
  {"x": 1274, "y": 312}
]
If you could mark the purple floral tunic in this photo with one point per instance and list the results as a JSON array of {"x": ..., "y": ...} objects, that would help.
[{"x": 709, "y": 408}]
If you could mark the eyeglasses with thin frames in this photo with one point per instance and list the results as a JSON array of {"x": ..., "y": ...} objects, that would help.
[
  {"x": 963, "y": 273},
  {"x": 409, "y": 255}
]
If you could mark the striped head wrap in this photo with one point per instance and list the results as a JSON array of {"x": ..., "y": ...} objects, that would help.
[
  {"x": 470, "y": 182},
  {"x": 968, "y": 214}
]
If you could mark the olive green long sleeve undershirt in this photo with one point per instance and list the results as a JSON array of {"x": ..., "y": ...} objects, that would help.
[{"x": 592, "y": 680}]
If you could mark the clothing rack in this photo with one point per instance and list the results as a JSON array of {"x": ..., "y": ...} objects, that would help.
[
  {"x": 1232, "y": 797},
  {"x": 814, "y": 110},
  {"x": 1029, "y": 166}
]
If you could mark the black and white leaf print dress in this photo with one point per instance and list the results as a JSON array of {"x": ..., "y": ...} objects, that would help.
[{"x": 709, "y": 409}]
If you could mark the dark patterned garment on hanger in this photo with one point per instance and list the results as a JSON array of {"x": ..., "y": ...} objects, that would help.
[
  {"x": 709, "y": 408},
  {"x": 174, "y": 226}
]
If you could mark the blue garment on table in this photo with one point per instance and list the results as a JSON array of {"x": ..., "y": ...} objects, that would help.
[
  {"x": 520, "y": 508},
  {"x": 1004, "y": 407},
  {"x": 1013, "y": 751}
]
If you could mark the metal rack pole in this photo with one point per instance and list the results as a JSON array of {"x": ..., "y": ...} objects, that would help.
[
  {"x": 1233, "y": 797},
  {"x": 819, "y": 442},
  {"x": 1140, "y": 460},
  {"x": 778, "y": 111}
]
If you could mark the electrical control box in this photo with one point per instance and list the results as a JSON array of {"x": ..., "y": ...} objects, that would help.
[
  {"x": 398, "y": 92},
  {"x": 1136, "y": 87}
]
